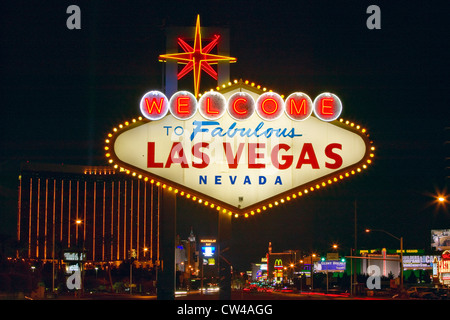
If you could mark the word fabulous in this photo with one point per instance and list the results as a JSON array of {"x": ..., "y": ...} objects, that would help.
[{"x": 269, "y": 106}]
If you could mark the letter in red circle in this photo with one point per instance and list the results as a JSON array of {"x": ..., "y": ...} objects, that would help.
[
  {"x": 269, "y": 106},
  {"x": 154, "y": 105},
  {"x": 239, "y": 101},
  {"x": 327, "y": 107},
  {"x": 241, "y": 106},
  {"x": 209, "y": 109},
  {"x": 182, "y": 105}
]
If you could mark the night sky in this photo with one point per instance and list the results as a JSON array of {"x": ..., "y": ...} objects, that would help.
[{"x": 63, "y": 90}]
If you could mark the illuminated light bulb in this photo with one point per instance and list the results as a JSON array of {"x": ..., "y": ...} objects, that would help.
[
  {"x": 258, "y": 210},
  {"x": 127, "y": 123},
  {"x": 110, "y": 161},
  {"x": 224, "y": 210},
  {"x": 372, "y": 155},
  {"x": 194, "y": 198},
  {"x": 346, "y": 174},
  {"x": 369, "y": 161},
  {"x": 212, "y": 205},
  {"x": 134, "y": 174},
  {"x": 182, "y": 193},
  {"x": 217, "y": 88},
  {"x": 146, "y": 179},
  {"x": 323, "y": 184},
  {"x": 164, "y": 186},
  {"x": 120, "y": 126},
  {"x": 246, "y": 215},
  {"x": 176, "y": 190},
  {"x": 235, "y": 81},
  {"x": 107, "y": 140},
  {"x": 264, "y": 89},
  {"x": 363, "y": 130},
  {"x": 359, "y": 169},
  {"x": 134, "y": 120},
  {"x": 236, "y": 215},
  {"x": 264, "y": 208},
  {"x": 139, "y": 118},
  {"x": 152, "y": 181},
  {"x": 116, "y": 166},
  {"x": 110, "y": 135},
  {"x": 288, "y": 198},
  {"x": 364, "y": 166},
  {"x": 115, "y": 129},
  {"x": 188, "y": 196},
  {"x": 206, "y": 203},
  {"x": 270, "y": 205},
  {"x": 253, "y": 84},
  {"x": 294, "y": 196},
  {"x": 341, "y": 120},
  {"x": 170, "y": 188}
]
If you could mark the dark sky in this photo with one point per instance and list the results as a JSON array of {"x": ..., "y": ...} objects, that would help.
[{"x": 62, "y": 90}]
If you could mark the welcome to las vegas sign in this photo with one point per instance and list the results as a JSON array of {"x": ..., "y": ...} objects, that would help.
[{"x": 240, "y": 149}]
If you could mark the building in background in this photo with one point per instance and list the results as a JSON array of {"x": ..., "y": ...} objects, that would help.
[{"x": 108, "y": 214}]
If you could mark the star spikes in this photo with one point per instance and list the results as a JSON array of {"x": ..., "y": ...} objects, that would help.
[{"x": 197, "y": 58}]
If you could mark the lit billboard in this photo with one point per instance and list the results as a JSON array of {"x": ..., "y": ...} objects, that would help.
[
  {"x": 440, "y": 239},
  {"x": 240, "y": 149}
]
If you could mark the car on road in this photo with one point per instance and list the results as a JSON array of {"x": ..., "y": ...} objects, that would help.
[{"x": 422, "y": 293}]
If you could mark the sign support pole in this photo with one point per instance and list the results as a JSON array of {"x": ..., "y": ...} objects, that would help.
[
  {"x": 166, "y": 280},
  {"x": 224, "y": 263}
]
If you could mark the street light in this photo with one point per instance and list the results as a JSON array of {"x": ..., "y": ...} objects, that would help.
[{"x": 401, "y": 253}]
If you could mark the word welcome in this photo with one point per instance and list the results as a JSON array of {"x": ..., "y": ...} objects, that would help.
[{"x": 212, "y": 105}]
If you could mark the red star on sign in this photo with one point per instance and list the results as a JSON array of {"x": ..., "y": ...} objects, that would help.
[{"x": 197, "y": 58}]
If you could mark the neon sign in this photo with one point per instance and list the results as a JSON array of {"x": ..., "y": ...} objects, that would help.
[
  {"x": 240, "y": 150},
  {"x": 241, "y": 106},
  {"x": 197, "y": 58}
]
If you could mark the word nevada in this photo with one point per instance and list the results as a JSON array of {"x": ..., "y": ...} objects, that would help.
[{"x": 269, "y": 106}]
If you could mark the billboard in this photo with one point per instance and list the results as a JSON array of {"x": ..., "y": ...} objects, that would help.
[
  {"x": 241, "y": 149},
  {"x": 440, "y": 239}
]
